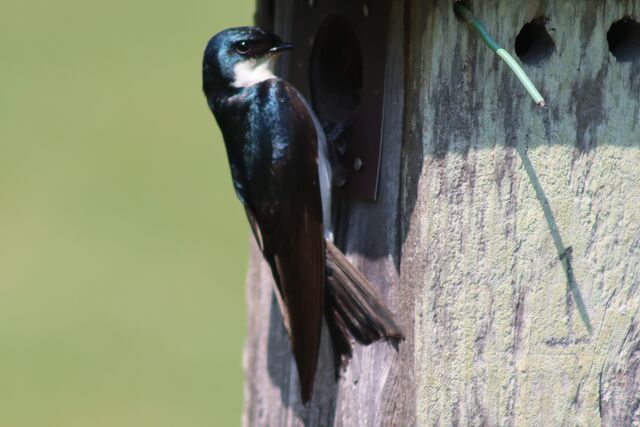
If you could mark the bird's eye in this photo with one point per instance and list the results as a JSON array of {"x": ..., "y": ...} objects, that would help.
[{"x": 243, "y": 47}]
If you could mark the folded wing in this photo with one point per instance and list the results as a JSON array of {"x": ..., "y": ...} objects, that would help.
[{"x": 285, "y": 211}]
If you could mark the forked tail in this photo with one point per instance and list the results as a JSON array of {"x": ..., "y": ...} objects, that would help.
[{"x": 353, "y": 307}]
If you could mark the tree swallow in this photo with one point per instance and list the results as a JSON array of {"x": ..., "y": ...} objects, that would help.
[{"x": 278, "y": 158}]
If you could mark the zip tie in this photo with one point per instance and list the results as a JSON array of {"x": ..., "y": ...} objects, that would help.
[{"x": 462, "y": 11}]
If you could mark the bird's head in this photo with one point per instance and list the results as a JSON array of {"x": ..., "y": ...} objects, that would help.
[{"x": 237, "y": 58}]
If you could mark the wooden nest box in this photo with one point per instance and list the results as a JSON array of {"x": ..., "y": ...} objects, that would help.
[{"x": 505, "y": 237}]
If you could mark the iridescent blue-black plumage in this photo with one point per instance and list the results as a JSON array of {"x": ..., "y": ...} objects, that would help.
[
  {"x": 223, "y": 53},
  {"x": 272, "y": 147}
]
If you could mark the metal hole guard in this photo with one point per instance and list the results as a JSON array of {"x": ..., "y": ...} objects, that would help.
[{"x": 363, "y": 133}]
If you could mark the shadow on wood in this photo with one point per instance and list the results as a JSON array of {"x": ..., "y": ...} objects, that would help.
[{"x": 505, "y": 238}]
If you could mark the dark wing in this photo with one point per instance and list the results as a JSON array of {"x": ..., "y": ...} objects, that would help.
[{"x": 284, "y": 207}]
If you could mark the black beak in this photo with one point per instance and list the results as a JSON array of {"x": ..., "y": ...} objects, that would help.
[{"x": 281, "y": 47}]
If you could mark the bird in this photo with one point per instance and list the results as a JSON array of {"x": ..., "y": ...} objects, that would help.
[{"x": 277, "y": 154}]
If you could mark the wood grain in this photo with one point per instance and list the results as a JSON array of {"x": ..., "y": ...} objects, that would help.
[{"x": 506, "y": 238}]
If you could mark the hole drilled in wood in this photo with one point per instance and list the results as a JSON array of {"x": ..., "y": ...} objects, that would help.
[
  {"x": 335, "y": 74},
  {"x": 533, "y": 43},
  {"x": 624, "y": 39}
]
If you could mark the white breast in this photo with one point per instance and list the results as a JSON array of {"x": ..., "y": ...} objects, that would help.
[
  {"x": 251, "y": 72},
  {"x": 324, "y": 174}
]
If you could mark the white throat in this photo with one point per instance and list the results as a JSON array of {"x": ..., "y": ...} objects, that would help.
[{"x": 251, "y": 72}]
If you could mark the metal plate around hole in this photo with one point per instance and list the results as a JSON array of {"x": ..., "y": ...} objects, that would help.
[{"x": 370, "y": 21}]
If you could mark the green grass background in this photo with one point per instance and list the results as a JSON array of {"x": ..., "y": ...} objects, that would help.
[{"x": 122, "y": 246}]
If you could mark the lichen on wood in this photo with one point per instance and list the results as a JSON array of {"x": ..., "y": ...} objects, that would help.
[{"x": 506, "y": 238}]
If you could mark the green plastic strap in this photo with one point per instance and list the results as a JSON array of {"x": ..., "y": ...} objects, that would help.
[
  {"x": 522, "y": 76},
  {"x": 466, "y": 14}
]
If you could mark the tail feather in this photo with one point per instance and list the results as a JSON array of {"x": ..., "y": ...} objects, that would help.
[{"x": 352, "y": 307}]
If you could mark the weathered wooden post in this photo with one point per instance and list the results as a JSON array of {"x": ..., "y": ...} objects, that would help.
[{"x": 506, "y": 238}]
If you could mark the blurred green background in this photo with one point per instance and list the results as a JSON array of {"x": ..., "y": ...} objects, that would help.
[{"x": 122, "y": 246}]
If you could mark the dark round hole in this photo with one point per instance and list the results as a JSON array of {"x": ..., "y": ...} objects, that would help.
[
  {"x": 335, "y": 75},
  {"x": 533, "y": 43},
  {"x": 624, "y": 39}
]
